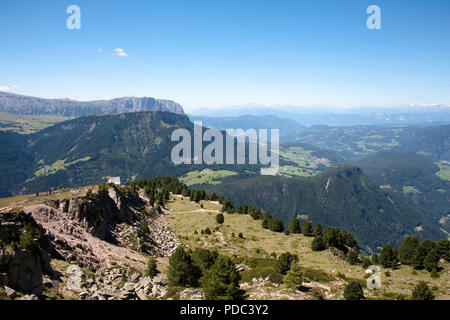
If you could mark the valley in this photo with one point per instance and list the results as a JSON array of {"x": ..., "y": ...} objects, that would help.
[{"x": 381, "y": 184}]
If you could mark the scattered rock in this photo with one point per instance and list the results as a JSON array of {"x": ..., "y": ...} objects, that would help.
[
  {"x": 74, "y": 282},
  {"x": 10, "y": 292}
]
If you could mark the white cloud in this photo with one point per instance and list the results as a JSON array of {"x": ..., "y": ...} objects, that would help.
[
  {"x": 4, "y": 88},
  {"x": 100, "y": 50},
  {"x": 121, "y": 53},
  {"x": 15, "y": 86}
]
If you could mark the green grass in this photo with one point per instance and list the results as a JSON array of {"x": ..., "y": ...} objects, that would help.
[
  {"x": 27, "y": 124},
  {"x": 410, "y": 189},
  {"x": 444, "y": 172},
  {"x": 259, "y": 243},
  {"x": 304, "y": 163},
  {"x": 206, "y": 176},
  {"x": 57, "y": 166}
]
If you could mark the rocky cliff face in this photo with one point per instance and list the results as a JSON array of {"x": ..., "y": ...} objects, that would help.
[
  {"x": 25, "y": 105},
  {"x": 24, "y": 253},
  {"x": 111, "y": 227}
]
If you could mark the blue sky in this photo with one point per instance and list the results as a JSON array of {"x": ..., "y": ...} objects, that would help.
[{"x": 220, "y": 53}]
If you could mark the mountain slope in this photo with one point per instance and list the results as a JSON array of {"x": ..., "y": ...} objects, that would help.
[
  {"x": 15, "y": 162},
  {"x": 89, "y": 149},
  {"x": 357, "y": 142},
  {"x": 413, "y": 175},
  {"x": 342, "y": 197},
  {"x": 25, "y": 105}
]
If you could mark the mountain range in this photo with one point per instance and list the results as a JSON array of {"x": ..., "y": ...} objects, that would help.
[
  {"x": 25, "y": 105},
  {"x": 314, "y": 115},
  {"x": 380, "y": 183}
]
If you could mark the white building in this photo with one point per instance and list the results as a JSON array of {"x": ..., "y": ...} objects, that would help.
[{"x": 115, "y": 180}]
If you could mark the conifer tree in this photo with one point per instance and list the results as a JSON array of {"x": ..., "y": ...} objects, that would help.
[
  {"x": 307, "y": 228},
  {"x": 294, "y": 226},
  {"x": 318, "y": 230}
]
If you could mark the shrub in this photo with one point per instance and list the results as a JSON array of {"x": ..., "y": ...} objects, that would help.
[
  {"x": 220, "y": 218},
  {"x": 151, "y": 270},
  {"x": 422, "y": 292},
  {"x": 366, "y": 263},
  {"x": 284, "y": 262},
  {"x": 353, "y": 291},
  {"x": 262, "y": 268},
  {"x": 294, "y": 277},
  {"x": 352, "y": 257},
  {"x": 434, "y": 274},
  {"x": 316, "y": 275}
]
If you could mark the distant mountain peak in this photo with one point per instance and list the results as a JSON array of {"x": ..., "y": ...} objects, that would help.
[{"x": 26, "y": 105}]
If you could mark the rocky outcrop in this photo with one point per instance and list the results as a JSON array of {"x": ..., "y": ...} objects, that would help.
[
  {"x": 24, "y": 253},
  {"x": 95, "y": 233}
]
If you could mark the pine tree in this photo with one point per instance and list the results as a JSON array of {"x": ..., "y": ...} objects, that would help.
[
  {"x": 256, "y": 214},
  {"x": 419, "y": 256},
  {"x": 294, "y": 226},
  {"x": 204, "y": 258},
  {"x": 318, "y": 230},
  {"x": 387, "y": 257},
  {"x": 294, "y": 277},
  {"x": 374, "y": 259},
  {"x": 181, "y": 270},
  {"x": 307, "y": 228},
  {"x": 221, "y": 282},
  {"x": 151, "y": 199},
  {"x": 348, "y": 239},
  {"x": 443, "y": 249},
  {"x": 407, "y": 249},
  {"x": 275, "y": 225},
  {"x": 333, "y": 238},
  {"x": 430, "y": 262},
  {"x": 151, "y": 270},
  {"x": 318, "y": 244},
  {"x": 227, "y": 207}
]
